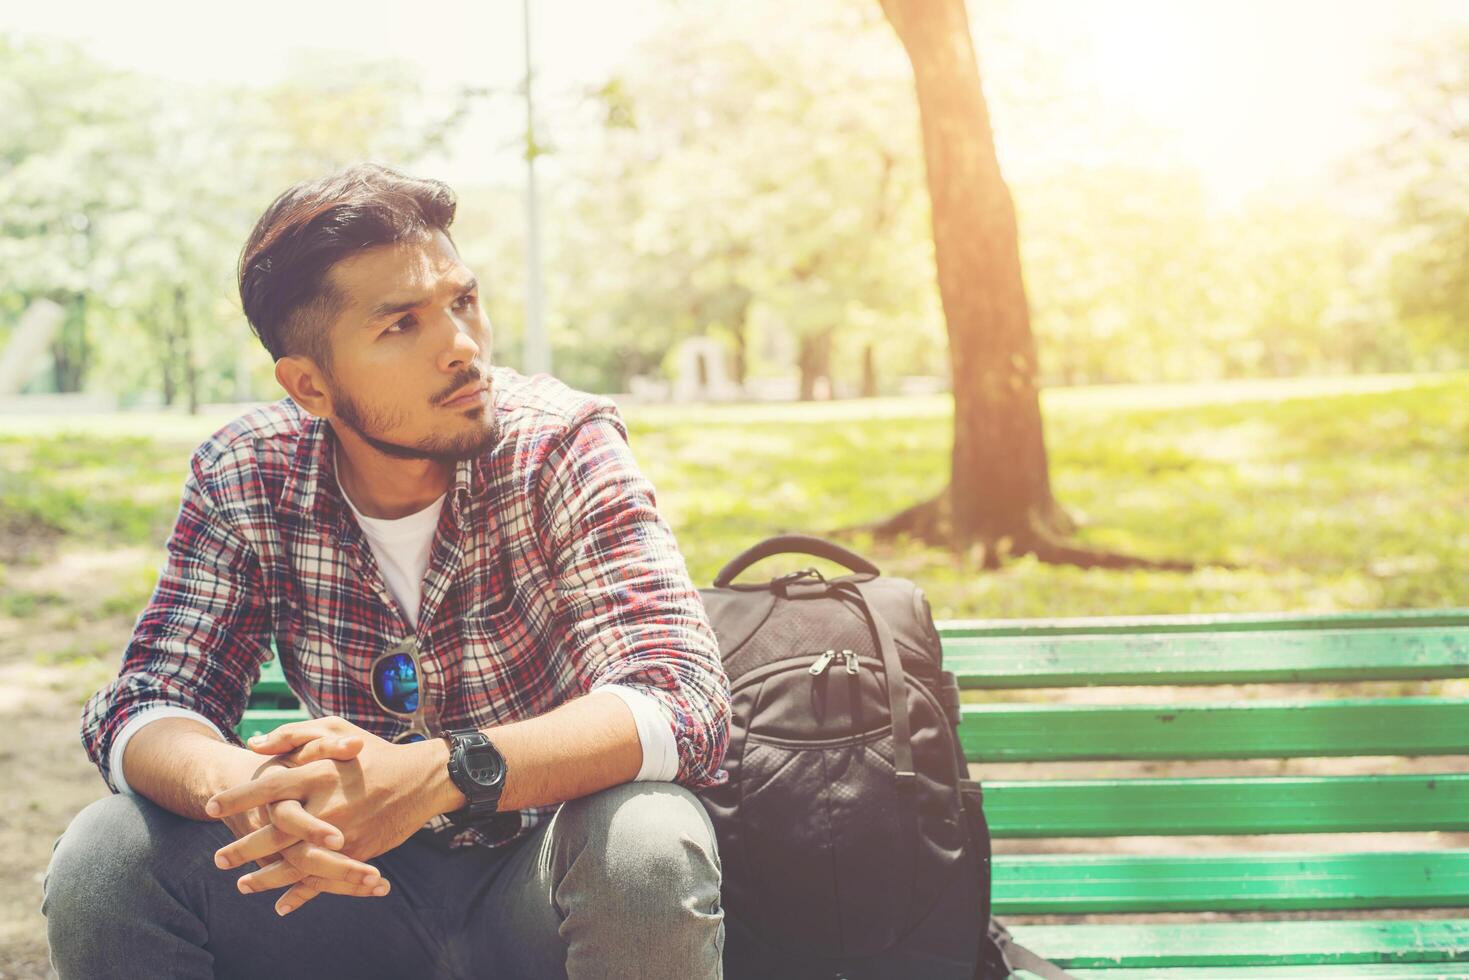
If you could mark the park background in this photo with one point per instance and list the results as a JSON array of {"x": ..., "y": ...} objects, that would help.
[{"x": 1243, "y": 229}]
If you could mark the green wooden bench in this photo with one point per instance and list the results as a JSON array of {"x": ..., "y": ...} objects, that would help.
[
  {"x": 271, "y": 703},
  {"x": 1341, "y": 884}
]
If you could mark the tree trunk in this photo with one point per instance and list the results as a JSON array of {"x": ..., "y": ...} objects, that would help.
[
  {"x": 740, "y": 327},
  {"x": 186, "y": 348},
  {"x": 169, "y": 355},
  {"x": 71, "y": 349},
  {"x": 999, "y": 493},
  {"x": 170, "y": 388},
  {"x": 814, "y": 361}
]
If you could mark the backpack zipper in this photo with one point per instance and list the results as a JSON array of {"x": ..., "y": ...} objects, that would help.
[{"x": 824, "y": 661}]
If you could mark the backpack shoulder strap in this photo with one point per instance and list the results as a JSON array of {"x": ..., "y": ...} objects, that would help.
[{"x": 897, "y": 682}]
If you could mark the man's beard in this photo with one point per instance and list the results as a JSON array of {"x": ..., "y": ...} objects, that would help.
[{"x": 447, "y": 451}]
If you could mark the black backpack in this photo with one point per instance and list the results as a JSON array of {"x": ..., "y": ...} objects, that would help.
[{"x": 852, "y": 842}]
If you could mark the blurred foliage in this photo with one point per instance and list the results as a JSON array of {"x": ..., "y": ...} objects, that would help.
[
  {"x": 1425, "y": 162},
  {"x": 1337, "y": 494},
  {"x": 127, "y": 202},
  {"x": 758, "y": 186},
  {"x": 762, "y": 187}
]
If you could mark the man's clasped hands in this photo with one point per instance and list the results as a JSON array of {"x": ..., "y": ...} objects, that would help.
[{"x": 331, "y": 797}]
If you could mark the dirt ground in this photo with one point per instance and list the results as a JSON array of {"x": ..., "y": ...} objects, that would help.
[
  {"x": 55, "y": 653},
  {"x": 51, "y": 659}
]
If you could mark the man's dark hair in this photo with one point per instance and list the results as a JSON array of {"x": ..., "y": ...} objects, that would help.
[{"x": 311, "y": 227}]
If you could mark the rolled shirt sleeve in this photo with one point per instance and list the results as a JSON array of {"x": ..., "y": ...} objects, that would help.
[
  {"x": 655, "y": 732},
  {"x": 200, "y": 641},
  {"x": 133, "y": 726},
  {"x": 625, "y": 606}
]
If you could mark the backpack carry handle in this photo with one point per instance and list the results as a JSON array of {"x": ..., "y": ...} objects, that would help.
[{"x": 793, "y": 544}]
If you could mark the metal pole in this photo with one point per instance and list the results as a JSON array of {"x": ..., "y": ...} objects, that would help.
[{"x": 537, "y": 349}]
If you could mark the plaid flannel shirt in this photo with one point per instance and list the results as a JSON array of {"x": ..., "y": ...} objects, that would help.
[{"x": 551, "y": 574}]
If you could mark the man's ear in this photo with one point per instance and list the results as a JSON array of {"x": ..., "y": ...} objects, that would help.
[{"x": 305, "y": 383}]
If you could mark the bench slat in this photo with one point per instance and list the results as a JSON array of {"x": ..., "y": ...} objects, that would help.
[
  {"x": 260, "y": 720},
  {"x": 1388, "y": 971},
  {"x": 1208, "y": 658},
  {"x": 1254, "y": 805},
  {"x": 1207, "y": 623},
  {"x": 1244, "y": 730},
  {"x": 1394, "y": 970},
  {"x": 1029, "y": 884},
  {"x": 1221, "y": 944},
  {"x": 272, "y": 680}
]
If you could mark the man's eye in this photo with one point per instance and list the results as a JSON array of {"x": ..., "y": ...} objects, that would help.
[
  {"x": 404, "y": 323},
  {"x": 465, "y": 302}
]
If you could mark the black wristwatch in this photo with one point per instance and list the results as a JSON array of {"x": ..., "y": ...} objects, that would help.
[{"x": 478, "y": 769}]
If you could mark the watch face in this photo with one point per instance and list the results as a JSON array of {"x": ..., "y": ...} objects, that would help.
[{"x": 485, "y": 767}]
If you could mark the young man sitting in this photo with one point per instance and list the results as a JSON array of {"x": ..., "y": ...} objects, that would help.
[{"x": 513, "y": 683}]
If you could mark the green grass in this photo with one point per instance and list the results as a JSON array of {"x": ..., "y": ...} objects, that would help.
[
  {"x": 23, "y": 605},
  {"x": 117, "y": 489},
  {"x": 1330, "y": 493}
]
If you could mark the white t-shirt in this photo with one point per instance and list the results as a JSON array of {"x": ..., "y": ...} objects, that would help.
[{"x": 401, "y": 547}]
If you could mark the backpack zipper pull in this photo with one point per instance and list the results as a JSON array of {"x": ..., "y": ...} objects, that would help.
[
  {"x": 822, "y": 662},
  {"x": 851, "y": 659}
]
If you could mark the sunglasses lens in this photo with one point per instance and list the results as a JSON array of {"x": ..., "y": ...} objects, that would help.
[{"x": 396, "y": 683}]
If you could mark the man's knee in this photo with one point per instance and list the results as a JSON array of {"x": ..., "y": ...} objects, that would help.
[
  {"x": 111, "y": 854},
  {"x": 652, "y": 839}
]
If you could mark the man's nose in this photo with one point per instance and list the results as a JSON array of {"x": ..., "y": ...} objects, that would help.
[{"x": 461, "y": 349}]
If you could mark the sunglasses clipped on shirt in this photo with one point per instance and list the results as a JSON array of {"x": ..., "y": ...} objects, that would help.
[{"x": 395, "y": 683}]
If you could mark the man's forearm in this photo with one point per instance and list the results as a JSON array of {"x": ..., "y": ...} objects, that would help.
[
  {"x": 179, "y": 764},
  {"x": 581, "y": 747}
]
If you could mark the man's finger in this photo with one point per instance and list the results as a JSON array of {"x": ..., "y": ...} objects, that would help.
[
  {"x": 279, "y": 784},
  {"x": 338, "y": 748},
  {"x": 308, "y": 888},
  {"x": 258, "y": 845},
  {"x": 279, "y": 742},
  {"x": 264, "y": 845},
  {"x": 325, "y": 864},
  {"x": 304, "y": 859},
  {"x": 296, "y": 896},
  {"x": 324, "y": 886},
  {"x": 293, "y": 820},
  {"x": 295, "y": 734},
  {"x": 284, "y": 873},
  {"x": 271, "y": 876}
]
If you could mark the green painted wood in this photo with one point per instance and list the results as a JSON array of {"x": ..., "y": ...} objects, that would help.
[
  {"x": 1211, "y": 623},
  {"x": 272, "y": 680},
  {"x": 1394, "y": 971},
  {"x": 258, "y": 720},
  {"x": 1264, "y": 657},
  {"x": 1275, "y": 805},
  {"x": 1030, "y": 884},
  {"x": 1235, "y": 944},
  {"x": 1243, "y": 730}
]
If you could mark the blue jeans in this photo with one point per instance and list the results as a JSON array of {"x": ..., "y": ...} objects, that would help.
[{"x": 621, "y": 883}]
